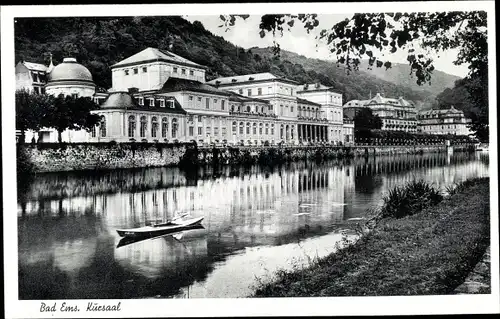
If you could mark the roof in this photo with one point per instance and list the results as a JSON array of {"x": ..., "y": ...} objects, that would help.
[
  {"x": 304, "y": 101},
  {"x": 255, "y": 77},
  {"x": 356, "y": 103},
  {"x": 70, "y": 70},
  {"x": 35, "y": 66},
  {"x": 241, "y": 98},
  {"x": 313, "y": 87},
  {"x": 119, "y": 100},
  {"x": 124, "y": 100},
  {"x": 378, "y": 99},
  {"x": 451, "y": 110},
  {"x": 153, "y": 54},
  {"x": 177, "y": 84}
]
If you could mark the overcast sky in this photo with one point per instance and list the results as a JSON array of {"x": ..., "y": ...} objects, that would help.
[{"x": 246, "y": 34}]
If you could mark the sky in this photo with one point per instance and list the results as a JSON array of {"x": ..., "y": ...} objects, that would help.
[{"x": 246, "y": 34}]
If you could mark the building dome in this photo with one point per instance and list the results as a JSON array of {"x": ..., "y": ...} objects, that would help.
[
  {"x": 121, "y": 100},
  {"x": 70, "y": 70}
]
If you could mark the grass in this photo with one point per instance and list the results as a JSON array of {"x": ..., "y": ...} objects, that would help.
[{"x": 427, "y": 253}]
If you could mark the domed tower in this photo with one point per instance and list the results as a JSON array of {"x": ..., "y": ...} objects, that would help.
[{"x": 70, "y": 78}]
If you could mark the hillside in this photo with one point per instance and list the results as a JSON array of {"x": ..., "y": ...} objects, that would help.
[
  {"x": 400, "y": 74},
  {"x": 99, "y": 42}
]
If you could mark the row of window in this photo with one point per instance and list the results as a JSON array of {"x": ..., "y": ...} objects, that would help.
[
  {"x": 437, "y": 127},
  {"x": 163, "y": 102},
  {"x": 143, "y": 126},
  {"x": 207, "y": 102},
  {"x": 144, "y": 69},
  {"x": 250, "y": 91}
]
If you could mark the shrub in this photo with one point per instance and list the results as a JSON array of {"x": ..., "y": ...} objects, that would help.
[{"x": 410, "y": 199}]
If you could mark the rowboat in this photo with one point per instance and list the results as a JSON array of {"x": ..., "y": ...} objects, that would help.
[
  {"x": 177, "y": 235},
  {"x": 160, "y": 229}
]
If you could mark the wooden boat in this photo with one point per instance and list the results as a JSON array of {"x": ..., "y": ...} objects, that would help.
[
  {"x": 159, "y": 229},
  {"x": 127, "y": 240}
]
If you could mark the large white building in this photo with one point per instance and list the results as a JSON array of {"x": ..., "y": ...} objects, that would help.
[
  {"x": 446, "y": 121},
  {"x": 396, "y": 114},
  {"x": 159, "y": 96}
]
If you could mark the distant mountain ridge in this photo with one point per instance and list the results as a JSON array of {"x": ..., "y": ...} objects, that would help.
[{"x": 400, "y": 74}]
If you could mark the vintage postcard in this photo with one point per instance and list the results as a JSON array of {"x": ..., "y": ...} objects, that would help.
[{"x": 274, "y": 159}]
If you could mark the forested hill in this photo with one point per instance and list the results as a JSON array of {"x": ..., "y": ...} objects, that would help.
[
  {"x": 100, "y": 42},
  {"x": 400, "y": 74}
]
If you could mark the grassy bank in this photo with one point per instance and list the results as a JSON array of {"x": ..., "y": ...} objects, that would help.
[{"x": 428, "y": 252}]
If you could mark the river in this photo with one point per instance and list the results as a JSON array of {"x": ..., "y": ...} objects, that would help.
[{"x": 257, "y": 220}]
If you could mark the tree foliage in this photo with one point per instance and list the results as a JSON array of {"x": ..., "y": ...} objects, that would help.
[
  {"x": 30, "y": 108},
  {"x": 36, "y": 111},
  {"x": 71, "y": 112},
  {"x": 365, "y": 120}
]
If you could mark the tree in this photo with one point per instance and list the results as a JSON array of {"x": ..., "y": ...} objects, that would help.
[
  {"x": 369, "y": 35},
  {"x": 365, "y": 120},
  {"x": 30, "y": 108},
  {"x": 70, "y": 112}
]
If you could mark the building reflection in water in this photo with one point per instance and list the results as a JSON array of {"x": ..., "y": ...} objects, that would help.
[{"x": 69, "y": 226}]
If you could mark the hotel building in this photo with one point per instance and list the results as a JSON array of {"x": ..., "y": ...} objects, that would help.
[
  {"x": 396, "y": 114},
  {"x": 447, "y": 121}
]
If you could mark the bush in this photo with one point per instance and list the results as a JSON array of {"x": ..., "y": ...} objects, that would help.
[{"x": 410, "y": 199}]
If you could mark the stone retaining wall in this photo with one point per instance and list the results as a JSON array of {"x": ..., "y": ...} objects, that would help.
[
  {"x": 76, "y": 157},
  {"x": 95, "y": 156}
]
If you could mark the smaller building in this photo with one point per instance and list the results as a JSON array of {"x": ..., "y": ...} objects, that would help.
[
  {"x": 446, "y": 121},
  {"x": 31, "y": 77},
  {"x": 396, "y": 114}
]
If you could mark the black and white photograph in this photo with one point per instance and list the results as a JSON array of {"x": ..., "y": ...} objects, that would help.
[{"x": 250, "y": 159}]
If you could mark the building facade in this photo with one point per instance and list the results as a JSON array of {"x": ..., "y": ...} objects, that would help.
[
  {"x": 31, "y": 77},
  {"x": 396, "y": 114},
  {"x": 158, "y": 96},
  {"x": 447, "y": 121}
]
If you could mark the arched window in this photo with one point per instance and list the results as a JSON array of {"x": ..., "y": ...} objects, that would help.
[
  {"x": 234, "y": 127},
  {"x": 154, "y": 126},
  {"x": 164, "y": 127},
  {"x": 282, "y": 129},
  {"x": 267, "y": 129},
  {"x": 175, "y": 127},
  {"x": 248, "y": 128},
  {"x": 232, "y": 108},
  {"x": 93, "y": 131},
  {"x": 249, "y": 108},
  {"x": 241, "y": 127},
  {"x": 260, "y": 128},
  {"x": 103, "y": 127},
  {"x": 254, "y": 128},
  {"x": 144, "y": 126},
  {"x": 272, "y": 129},
  {"x": 131, "y": 126}
]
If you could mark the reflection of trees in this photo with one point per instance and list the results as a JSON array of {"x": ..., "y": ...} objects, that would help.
[{"x": 66, "y": 184}]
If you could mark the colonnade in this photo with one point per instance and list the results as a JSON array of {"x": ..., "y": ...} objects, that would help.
[{"x": 312, "y": 132}]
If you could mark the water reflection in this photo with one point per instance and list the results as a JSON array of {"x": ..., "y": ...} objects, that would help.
[{"x": 256, "y": 219}]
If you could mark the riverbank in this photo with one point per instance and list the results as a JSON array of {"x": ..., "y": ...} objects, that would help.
[
  {"x": 105, "y": 156},
  {"x": 430, "y": 252}
]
